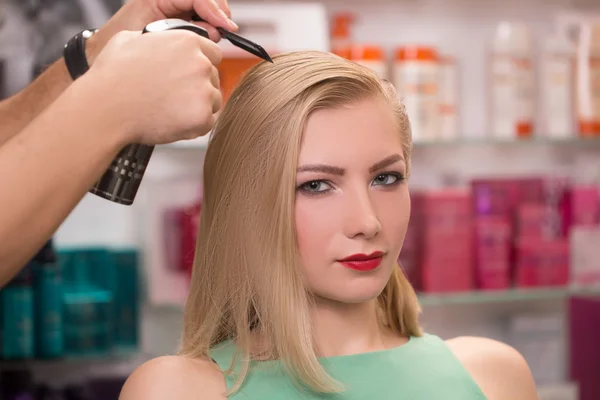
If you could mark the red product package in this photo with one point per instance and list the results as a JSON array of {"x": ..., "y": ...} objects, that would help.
[
  {"x": 447, "y": 245},
  {"x": 493, "y": 197},
  {"x": 585, "y": 205},
  {"x": 502, "y": 196},
  {"x": 542, "y": 262},
  {"x": 189, "y": 221},
  {"x": 538, "y": 220},
  {"x": 448, "y": 263},
  {"x": 410, "y": 258},
  {"x": 493, "y": 252}
]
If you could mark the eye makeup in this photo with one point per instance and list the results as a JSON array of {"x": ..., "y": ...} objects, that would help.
[{"x": 319, "y": 187}]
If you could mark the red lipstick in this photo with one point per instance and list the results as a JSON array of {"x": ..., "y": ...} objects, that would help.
[{"x": 363, "y": 262}]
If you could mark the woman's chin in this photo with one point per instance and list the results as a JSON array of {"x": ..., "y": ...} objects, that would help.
[{"x": 355, "y": 290}]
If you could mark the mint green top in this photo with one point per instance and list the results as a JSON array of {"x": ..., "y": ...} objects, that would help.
[{"x": 424, "y": 368}]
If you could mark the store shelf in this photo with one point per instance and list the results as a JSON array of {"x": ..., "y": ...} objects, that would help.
[
  {"x": 465, "y": 298},
  {"x": 537, "y": 141},
  {"x": 118, "y": 355},
  {"x": 506, "y": 296},
  {"x": 201, "y": 143}
]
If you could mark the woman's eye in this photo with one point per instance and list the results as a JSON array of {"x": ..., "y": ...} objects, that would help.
[
  {"x": 387, "y": 179},
  {"x": 315, "y": 186}
]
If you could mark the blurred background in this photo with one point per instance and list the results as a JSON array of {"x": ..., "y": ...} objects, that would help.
[{"x": 504, "y": 241}]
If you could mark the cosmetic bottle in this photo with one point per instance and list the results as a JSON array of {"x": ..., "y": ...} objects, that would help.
[
  {"x": 87, "y": 305},
  {"x": 126, "y": 298},
  {"x": 18, "y": 317},
  {"x": 48, "y": 303}
]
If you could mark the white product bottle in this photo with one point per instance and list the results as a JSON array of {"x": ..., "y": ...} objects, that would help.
[
  {"x": 448, "y": 99},
  {"x": 417, "y": 78},
  {"x": 588, "y": 79},
  {"x": 512, "y": 103},
  {"x": 557, "y": 80},
  {"x": 370, "y": 56}
]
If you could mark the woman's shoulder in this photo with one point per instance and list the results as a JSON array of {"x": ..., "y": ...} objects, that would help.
[
  {"x": 500, "y": 370},
  {"x": 177, "y": 377}
]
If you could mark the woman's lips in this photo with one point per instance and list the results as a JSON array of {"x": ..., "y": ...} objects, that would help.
[{"x": 363, "y": 262}]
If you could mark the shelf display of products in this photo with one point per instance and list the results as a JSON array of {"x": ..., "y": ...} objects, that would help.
[
  {"x": 537, "y": 85},
  {"x": 504, "y": 233},
  {"x": 71, "y": 303}
]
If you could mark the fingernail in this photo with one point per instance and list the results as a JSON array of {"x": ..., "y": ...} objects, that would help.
[{"x": 231, "y": 24}]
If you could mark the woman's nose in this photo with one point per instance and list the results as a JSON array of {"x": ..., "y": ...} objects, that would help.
[{"x": 361, "y": 218}]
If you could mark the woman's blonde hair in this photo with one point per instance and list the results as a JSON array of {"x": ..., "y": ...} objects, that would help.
[{"x": 247, "y": 276}]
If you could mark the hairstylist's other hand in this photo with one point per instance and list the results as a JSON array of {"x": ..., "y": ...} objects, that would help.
[
  {"x": 215, "y": 12},
  {"x": 157, "y": 87},
  {"x": 136, "y": 14}
]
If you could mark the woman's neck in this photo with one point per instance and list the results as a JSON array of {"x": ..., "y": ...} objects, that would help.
[{"x": 343, "y": 329}]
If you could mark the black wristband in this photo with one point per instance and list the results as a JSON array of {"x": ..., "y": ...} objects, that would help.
[{"x": 74, "y": 54}]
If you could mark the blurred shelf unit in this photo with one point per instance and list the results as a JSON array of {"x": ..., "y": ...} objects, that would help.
[
  {"x": 72, "y": 304},
  {"x": 475, "y": 297},
  {"x": 116, "y": 355},
  {"x": 507, "y": 296},
  {"x": 201, "y": 143}
]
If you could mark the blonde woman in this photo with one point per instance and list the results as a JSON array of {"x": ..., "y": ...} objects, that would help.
[{"x": 296, "y": 291}]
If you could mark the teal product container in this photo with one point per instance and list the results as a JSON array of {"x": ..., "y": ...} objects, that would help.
[
  {"x": 48, "y": 294},
  {"x": 88, "y": 305},
  {"x": 127, "y": 295},
  {"x": 18, "y": 317}
]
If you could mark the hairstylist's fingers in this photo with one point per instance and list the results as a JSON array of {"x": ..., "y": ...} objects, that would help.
[
  {"x": 217, "y": 101},
  {"x": 211, "y": 12},
  {"x": 213, "y": 33},
  {"x": 224, "y": 5},
  {"x": 211, "y": 50},
  {"x": 214, "y": 78}
]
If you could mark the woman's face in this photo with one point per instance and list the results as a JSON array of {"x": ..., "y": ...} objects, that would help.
[{"x": 352, "y": 201}]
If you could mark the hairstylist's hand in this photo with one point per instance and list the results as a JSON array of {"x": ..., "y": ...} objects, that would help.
[
  {"x": 157, "y": 87},
  {"x": 215, "y": 12},
  {"x": 136, "y": 14}
]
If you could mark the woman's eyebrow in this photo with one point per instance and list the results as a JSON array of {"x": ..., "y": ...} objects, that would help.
[
  {"x": 327, "y": 169},
  {"x": 386, "y": 162},
  {"x": 332, "y": 170}
]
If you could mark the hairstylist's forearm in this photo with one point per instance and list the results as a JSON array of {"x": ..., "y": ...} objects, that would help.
[
  {"x": 48, "y": 168},
  {"x": 19, "y": 110}
]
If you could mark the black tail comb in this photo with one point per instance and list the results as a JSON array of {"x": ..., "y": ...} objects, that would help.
[{"x": 240, "y": 42}]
